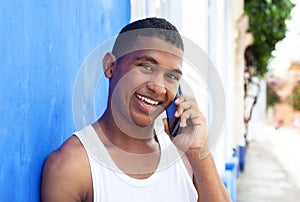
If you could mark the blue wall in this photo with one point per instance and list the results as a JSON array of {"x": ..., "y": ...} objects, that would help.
[{"x": 43, "y": 44}]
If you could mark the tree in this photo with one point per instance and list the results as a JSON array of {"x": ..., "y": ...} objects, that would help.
[{"x": 267, "y": 23}]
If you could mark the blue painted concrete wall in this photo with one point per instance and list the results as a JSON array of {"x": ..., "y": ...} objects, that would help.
[{"x": 43, "y": 44}]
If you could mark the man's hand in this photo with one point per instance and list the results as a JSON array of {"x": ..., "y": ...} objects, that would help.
[
  {"x": 192, "y": 141},
  {"x": 194, "y": 132}
]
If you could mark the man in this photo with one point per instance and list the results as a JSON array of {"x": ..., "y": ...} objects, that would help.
[{"x": 121, "y": 157}]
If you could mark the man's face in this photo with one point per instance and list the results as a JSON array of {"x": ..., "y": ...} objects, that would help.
[{"x": 146, "y": 80}]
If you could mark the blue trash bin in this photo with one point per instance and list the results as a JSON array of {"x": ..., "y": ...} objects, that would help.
[{"x": 242, "y": 157}]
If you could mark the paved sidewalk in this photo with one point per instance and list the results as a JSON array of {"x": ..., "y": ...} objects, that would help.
[{"x": 268, "y": 176}]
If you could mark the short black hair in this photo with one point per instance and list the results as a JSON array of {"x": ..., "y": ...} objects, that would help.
[{"x": 152, "y": 26}]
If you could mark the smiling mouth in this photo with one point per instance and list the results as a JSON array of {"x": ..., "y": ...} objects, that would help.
[{"x": 147, "y": 100}]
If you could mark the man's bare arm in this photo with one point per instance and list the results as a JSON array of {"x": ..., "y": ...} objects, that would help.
[
  {"x": 66, "y": 174},
  {"x": 206, "y": 178},
  {"x": 193, "y": 141}
]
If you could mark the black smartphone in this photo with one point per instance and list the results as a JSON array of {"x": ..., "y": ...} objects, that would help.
[{"x": 173, "y": 122}]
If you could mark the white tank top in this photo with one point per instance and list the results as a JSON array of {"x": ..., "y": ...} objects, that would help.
[{"x": 169, "y": 183}]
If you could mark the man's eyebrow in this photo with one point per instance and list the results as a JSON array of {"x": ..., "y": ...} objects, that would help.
[
  {"x": 153, "y": 61},
  {"x": 178, "y": 71},
  {"x": 147, "y": 58}
]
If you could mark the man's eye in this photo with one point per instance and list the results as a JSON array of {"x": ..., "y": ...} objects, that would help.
[
  {"x": 147, "y": 67},
  {"x": 173, "y": 76}
]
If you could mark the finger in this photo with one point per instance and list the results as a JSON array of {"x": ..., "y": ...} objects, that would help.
[
  {"x": 194, "y": 117},
  {"x": 181, "y": 98},
  {"x": 166, "y": 126},
  {"x": 186, "y": 115},
  {"x": 188, "y": 104},
  {"x": 183, "y": 103}
]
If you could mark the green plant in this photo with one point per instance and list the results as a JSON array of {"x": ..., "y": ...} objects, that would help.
[
  {"x": 274, "y": 84},
  {"x": 272, "y": 97},
  {"x": 267, "y": 24},
  {"x": 296, "y": 96}
]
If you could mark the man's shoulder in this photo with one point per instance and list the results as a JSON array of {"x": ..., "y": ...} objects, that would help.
[
  {"x": 68, "y": 155},
  {"x": 67, "y": 165}
]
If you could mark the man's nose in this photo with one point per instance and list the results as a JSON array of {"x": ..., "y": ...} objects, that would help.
[{"x": 157, "y": 87}]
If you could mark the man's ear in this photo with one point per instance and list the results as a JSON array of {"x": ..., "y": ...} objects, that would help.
[{"x": 109, "y": 62}]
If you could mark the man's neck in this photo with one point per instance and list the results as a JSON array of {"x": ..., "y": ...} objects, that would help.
[
  {"x": 138, "y": 158},
  {"x": 130, "y": 138}
]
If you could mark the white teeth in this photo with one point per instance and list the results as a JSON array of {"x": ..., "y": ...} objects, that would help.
[{"x": 147, "y": 100}]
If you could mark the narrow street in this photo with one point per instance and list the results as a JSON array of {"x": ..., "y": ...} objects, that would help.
[{"x": 272, "y": 166}]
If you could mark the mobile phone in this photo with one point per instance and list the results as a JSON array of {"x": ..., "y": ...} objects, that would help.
[{"x": 173, "y": 122}]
